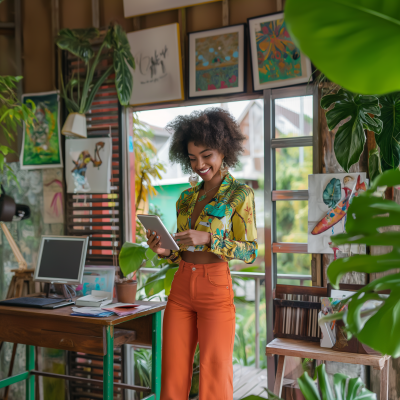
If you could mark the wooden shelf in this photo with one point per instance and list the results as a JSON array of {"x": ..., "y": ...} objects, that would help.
[{"x": 304, "y": 349}]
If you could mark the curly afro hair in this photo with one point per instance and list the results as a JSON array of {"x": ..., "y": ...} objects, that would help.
[{"x": 214, "y": 127}]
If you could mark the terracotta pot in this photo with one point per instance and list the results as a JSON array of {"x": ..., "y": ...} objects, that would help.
[
  {"x": 75, "y": 125},
  {"x": 126, "y": 291}
]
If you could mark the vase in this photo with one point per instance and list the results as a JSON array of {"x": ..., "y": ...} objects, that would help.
[
  {"x": 75, "y": 126},
  {"x": 126, "y": 291}
]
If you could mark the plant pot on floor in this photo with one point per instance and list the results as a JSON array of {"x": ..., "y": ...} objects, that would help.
[
  {"x": 126, "y": 291},
  {"x": 75, "y": 125}
]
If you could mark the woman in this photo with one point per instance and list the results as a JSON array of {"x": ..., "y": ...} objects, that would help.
[{"x": 215, "y": 224}]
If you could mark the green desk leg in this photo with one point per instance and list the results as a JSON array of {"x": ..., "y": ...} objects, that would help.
[
  {"x": 156, "y": 356},
  {"x": 108, "y": 366},
  {"x": 30, "y": 380}
]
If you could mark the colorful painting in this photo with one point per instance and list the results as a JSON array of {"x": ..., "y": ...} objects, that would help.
[
  {"x": 276, "y": 60},
  {"x": 53, "y": 197},
  {"x": 158, "y": 74},
  {"x": 216, "y": 61},
  {"x": 88, "y": 165},
  {"x": 329, "y": 198},
  {"x": 41, "y": 147}
]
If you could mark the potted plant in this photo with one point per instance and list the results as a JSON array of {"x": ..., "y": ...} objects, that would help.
[
  {"x": 132, "y": 257},
  {"x": 77, "y": 42}
]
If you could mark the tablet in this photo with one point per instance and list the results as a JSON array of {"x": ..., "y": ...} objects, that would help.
[{"x": 154, "y": 224}]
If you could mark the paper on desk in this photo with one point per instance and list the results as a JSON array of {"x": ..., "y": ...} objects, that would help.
[
  {"x": 121, "y": 305},
  {"x": 88, "y": 310},
  {"x": 121, "y": 312}
]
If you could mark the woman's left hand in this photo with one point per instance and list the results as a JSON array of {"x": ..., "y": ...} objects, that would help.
[{"x": 193, "y": 238}]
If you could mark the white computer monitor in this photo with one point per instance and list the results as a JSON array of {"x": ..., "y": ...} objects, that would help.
[{"x": 61, "y": 259}]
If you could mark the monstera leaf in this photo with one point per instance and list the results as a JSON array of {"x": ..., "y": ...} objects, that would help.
[
  {"x": 77, "y": 42},
  {"x": 366, "y": 217},
  {"x": 350, "y": 137},
  {"x": 350, "y": 41},
  {"x": 389, "y": 139},
  {"x": 332, "y": 193}
]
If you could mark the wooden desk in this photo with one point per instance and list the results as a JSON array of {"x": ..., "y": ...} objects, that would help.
[
  {"x": 301, "y": 348},
  {"x": 57, "y": 329}
]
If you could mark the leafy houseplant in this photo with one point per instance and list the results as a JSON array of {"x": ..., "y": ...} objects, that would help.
[
  {"x": 77, "y": 42},
  {"x": 354, "y": 390},
  {"x": 133, "y": 256},
  {"x": 12, "y": 115}
]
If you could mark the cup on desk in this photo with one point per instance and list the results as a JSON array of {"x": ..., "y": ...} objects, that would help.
[{"x": 126, "y": 291}]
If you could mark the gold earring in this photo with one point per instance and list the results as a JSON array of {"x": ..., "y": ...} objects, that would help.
[
  {"x": 193, "y": 179},
  {"x": 223, "y": 169}
]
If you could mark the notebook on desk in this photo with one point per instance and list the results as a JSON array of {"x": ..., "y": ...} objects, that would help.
[{"x": 34, "y": 302}]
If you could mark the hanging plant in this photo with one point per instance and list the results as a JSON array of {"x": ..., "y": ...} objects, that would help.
[{"x": 79, "y": 97}]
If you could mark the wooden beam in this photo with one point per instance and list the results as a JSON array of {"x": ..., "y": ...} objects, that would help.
[
  {"x": 225, "y": 12},
  {"x": 95, "y": 14}
]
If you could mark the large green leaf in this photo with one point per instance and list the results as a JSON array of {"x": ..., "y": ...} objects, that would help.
[
  {"x": 389, "y": 139},
  {"x": 350, "y": 137},
  {"x": 131, "y": 257},
  {"x": 308, "y": 388},
  {"x": 366, "y": 217},
  {"x": 77, "y": 42},
  {"x": 351, "y": 41},
  {"x": 122, "y": 58}
]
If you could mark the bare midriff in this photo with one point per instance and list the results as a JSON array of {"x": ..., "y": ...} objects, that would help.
[{"x": 200, "y": 257}]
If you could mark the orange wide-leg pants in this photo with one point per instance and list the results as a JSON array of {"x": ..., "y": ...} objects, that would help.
[{"x": 200, "y": 309}]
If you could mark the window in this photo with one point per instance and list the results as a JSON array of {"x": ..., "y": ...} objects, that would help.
[{"x": 290, "y": 124}]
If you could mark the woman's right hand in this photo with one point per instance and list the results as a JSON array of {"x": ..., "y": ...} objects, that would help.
[{"x": 153, "y": 240}]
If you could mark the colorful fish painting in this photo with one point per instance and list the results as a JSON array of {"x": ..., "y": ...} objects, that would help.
[{"x": 336, "y": 214}]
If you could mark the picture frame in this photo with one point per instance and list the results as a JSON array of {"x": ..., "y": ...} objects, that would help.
[
  {"x": 96, "y": 278},
  {"x": 276, "y": 64},
  {"x": 217, "y": 61},
  {"x": 41, "y": 143},
  {"x": 135, "y": 8},
  {"x": 158, "y": 75},
  {"x": 88, "y": 165}
]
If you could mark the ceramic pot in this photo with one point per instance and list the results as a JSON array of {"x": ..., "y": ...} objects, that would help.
[
  {"x": 126, "y": 291},
  {"x": 75, "y": 125}
]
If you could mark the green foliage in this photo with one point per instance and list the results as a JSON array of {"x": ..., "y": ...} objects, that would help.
[
  {"x": 350, "y": 41},
  {"x": 12, "y": 115},
  {"x": 388, "y": 140},
  {"x": 366, "y": 217},
  {"x": 131, "y": 257},
  {"x": 350, "y": 137},
  {"x": 77, "y": 42},
  {"x": 354, "y": 390},
  {"x": 146, "y": 167}
]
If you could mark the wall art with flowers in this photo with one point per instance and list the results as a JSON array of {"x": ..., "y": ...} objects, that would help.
[{"x": 276, "y": 60}]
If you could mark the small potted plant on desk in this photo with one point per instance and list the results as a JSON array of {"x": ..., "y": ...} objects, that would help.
[{"x": 134, "y": 256}]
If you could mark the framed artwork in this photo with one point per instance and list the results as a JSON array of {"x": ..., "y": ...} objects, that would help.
[
  {"x": 133, "y": 8},
  {"x": 216, "y": 61},
  {"x": 158, "y": 74},
  {"x": 96, "y": 278},
  {"x": 275, "y": 59},
  {"x": 88, "y": 165},
  {"x": 329, "y": 197},
  {"x": 41, "y": 143}
]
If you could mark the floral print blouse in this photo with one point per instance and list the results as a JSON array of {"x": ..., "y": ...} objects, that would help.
[{"x": 229, "y": 217}]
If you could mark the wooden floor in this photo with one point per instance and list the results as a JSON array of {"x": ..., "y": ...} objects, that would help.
[{"x": 249, "y": 381}]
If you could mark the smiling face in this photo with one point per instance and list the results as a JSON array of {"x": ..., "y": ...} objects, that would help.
[{"x": 205, "y": 161}]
